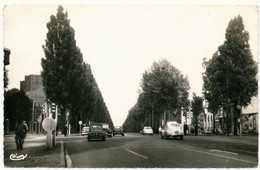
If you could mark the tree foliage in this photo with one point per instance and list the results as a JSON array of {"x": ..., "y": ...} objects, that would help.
[
  {"x": 67, "y": 79},
  {"x": 163, "y": 89},
  {"x": 196, "y": 107},
  {"x": 17, "y": 106},
  {"x": 230, "y": 76}
]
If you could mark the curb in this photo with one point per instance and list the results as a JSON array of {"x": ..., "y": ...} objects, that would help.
[
  {"x": 62, "y": 155},
  {"x": 65, "y": 160}
]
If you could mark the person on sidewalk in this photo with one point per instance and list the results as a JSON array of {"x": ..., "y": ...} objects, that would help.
[
  {"x": 20, "y": 134},
  {"x": 65, "y": 130}
]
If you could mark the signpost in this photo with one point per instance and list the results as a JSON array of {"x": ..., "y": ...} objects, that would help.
[
  {"x": 80, "y": 123},
  {"x": 39, "y": 121},
  {"x": 49, "y": 125}
]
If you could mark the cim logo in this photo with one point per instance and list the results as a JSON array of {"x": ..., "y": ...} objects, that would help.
[{"x": 16, "y": 157}]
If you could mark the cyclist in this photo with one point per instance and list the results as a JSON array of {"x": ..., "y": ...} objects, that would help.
[{"x": 20, "y": 134}]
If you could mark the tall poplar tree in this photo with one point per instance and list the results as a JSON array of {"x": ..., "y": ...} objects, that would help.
[
  {"x": 63, "y": 63},
  {"x": 230, "y": 76}
]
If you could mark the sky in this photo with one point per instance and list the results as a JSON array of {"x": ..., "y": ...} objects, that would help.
[{"x": 120, "y": 42}]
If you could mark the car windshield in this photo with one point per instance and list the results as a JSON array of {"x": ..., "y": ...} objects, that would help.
[
  {"x": 117, "y": 127},
  {"x": 96, "y": 127}
]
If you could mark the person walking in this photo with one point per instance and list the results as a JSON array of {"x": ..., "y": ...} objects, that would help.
[
  {"x": 20, "y": 134},
  {"x": 65, "y": 130}
]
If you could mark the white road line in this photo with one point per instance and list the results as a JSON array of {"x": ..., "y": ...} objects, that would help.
[
  {"x": 137, "y": 154},
  {"x": 222, "y": 156},
  {"x": 215, "y": 150}
]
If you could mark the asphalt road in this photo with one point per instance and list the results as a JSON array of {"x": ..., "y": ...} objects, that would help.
[{"x": 150, "y": 151}]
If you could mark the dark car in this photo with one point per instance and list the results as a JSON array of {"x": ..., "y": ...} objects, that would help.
[
  {"x": 118, "y": 130},
  {"x": 96, "y": 131}
]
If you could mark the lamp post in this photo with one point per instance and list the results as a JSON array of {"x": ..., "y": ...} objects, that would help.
[{"x": 240, "y": 120}]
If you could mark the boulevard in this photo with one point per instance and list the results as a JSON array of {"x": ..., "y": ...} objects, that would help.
[
  {"x": 143, "y": 151},
  {"x": 150, "y": 151}
]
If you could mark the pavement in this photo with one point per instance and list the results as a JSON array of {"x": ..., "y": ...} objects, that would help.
[{"x": 36, "y": 154}]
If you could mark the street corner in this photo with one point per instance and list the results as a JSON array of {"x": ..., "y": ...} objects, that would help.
[{"x": 34, "y": 157}]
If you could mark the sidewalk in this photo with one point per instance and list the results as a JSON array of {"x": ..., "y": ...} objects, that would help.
[
  {"x": 245, "y": 139},
  {"x": 35, "y": 153}
]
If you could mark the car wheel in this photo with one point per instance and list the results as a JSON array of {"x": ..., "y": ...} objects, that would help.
[
  {"x": 104, "y": 138},
  {"x": 123, "y": 134},
  {"x": 161, "y": 136},
  {"x": 181, "y": 137},
  {"x": 88, "y": 138}
]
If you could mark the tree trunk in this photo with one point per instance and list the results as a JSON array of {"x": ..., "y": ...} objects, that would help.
[{"x": 214, "y": 123}]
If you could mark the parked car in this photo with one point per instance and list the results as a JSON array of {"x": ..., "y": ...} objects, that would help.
[
  {"x": 118, "y": 130},
  {"x": 107, "y": 129},
  {"x": 96, "y": 131},
  {"x": 147, "y": 130},
  {"x": 172, "y": 129},
  {"x": 85, "y": 131}
]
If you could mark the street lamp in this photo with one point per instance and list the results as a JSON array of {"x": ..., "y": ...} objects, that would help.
[{"x": 240, "y": 120}]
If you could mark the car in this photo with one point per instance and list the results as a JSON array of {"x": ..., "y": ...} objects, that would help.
[
  {"x": 85, "y": 131},
  {"x": 96, "y": 131},
  {"x": 147, "y": 130},
  {"x": 108, "y": 130},
  {"x": 118, "y": 130},
  {"x": 172, "y": 129}
]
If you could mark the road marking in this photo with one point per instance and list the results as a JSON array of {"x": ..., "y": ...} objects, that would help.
[
  {"x": 137, "y": 154},
  {"x": 215, "y": 150},
  {"x": 222, "y": 156}
]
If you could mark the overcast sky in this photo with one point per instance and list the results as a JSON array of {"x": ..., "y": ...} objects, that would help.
[{"x": 121, "y": 42}]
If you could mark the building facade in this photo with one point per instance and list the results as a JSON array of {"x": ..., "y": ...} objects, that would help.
[
  {"x": 250, "y": 117},
  {"x": 32, "y": 86}
]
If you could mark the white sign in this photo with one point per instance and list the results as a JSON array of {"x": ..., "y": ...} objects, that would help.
[
  {"x": 80, "y": 122},
  {"x": 49, "y": 124}
]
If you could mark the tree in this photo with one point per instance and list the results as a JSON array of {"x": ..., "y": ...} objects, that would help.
[
  {"x": 163, "y": 90},
  {"x": 165, "y": 87},
  {"x": 197, "y": 109},
  {"x": 17, "y": 106},
  {"x": 63, "y": 63},
  {"x": 231, "y": 73}
]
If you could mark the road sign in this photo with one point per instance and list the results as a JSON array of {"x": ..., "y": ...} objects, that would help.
[
  {"x": 49, "y": 124},
  {"x": 80, "y": 122}
]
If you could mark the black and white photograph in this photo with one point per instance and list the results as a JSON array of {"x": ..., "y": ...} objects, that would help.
[{"x": 121, "y": 85}]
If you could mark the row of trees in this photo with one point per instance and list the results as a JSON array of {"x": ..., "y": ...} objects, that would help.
[
  {"x": 229, "y": 83},
  {"x": 67, "y": 79},
  {"x": 230, "y": 75},
  {"x": 163, "y": 93}
]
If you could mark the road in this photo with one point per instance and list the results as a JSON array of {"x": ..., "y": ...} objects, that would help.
[{"x": 150, "y": 151}]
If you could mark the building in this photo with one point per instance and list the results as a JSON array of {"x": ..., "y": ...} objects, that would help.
[
  {"x": 250, "y": 117},
  {"x": 32, "y": 86},
  {"x": 205, "y": 120}
]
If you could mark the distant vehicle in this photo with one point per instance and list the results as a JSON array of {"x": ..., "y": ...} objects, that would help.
[
  {"x": 118, "y": 130},
  {"x": 147, "y": 130},
  {"x": 107, "y": 129},
  {"x": 84, "y": 131},
  {"x": 96, "y": 131},
  {"x": 172, "y": 129}
]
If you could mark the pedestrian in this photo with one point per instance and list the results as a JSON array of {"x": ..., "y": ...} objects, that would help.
[
  {"x": 65, "y": 130},
  {"x": 196, "y": 129},
  {"x": 185, "y": 129},
  {"x": 20, "y": 134}
]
